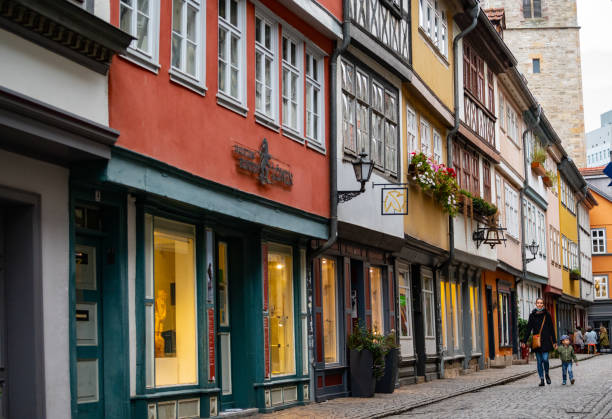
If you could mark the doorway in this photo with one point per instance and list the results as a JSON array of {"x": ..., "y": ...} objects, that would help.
[{"x": 21, "y": 320}]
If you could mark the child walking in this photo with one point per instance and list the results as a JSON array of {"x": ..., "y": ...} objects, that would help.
[{"x": 567, "y": 354}]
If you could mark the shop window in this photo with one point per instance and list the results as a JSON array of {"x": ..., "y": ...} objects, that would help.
[
  {"x": 170, "y": 303},
  {"x": 280, "y": 283},
  {"x": 455, "y": 301},
  {"x": 503, "y": 313},
  {"x": 376, "y": 296},
  {"x": 223, "y": 286},
  {"x": 428, "y": 306},
  {"x": 405, "y": 305},
  {"x": 444, "y": 291},
  {"x": 601, "y": 286},
  {"x": 330, "y": 318},
  {"x": 473, "y": 315}
]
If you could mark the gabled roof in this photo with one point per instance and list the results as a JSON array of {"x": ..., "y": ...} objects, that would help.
[
  {"x": 600, "y": 192},
  {"x": 592, "y": 171}
]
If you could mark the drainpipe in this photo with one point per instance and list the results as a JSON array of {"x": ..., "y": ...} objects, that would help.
[
  {"x": 522, "y": 191},
  {"x": 449, "y": 159},
  {"x": 333, "y": 181}
]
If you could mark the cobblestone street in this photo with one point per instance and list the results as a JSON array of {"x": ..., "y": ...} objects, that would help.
[
  {"x": 590, "y": 397},
  {"x": 482, "y": 394}
]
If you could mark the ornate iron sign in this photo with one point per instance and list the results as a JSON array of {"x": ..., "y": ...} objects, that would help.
[
  {"x": 394, "y": 201},
  {"x": 262, "y": 165}
]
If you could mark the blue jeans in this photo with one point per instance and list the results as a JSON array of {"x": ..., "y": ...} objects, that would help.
[
  {"x": 542, "y": 363},
  {"x": 566, "y": 367}
]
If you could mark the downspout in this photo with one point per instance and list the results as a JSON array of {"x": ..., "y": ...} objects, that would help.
[
  {"x": 522, "y": 191},
  {"x": 449, "y": 160},
  {"x": 333, "y": 181}
]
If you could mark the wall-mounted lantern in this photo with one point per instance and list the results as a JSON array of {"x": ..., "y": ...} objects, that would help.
[
  {"x": 363, "y": 170},
  {"x": 533, "y": 248}
]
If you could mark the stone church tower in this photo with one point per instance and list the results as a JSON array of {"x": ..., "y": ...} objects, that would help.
[{"x": 544, "y": 37}]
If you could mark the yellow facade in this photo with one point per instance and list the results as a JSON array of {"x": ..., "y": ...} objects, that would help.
[
  {"x": 433, "y": 68},
  {"x": 426, "y": 220},
  {"x": 568, "y": 227}
]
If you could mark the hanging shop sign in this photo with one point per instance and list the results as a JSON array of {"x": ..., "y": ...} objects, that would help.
[
  {"x": 394, "y": 201},
  {"x": 262, "y": 165},
  {"x": 211, "y": 345}
]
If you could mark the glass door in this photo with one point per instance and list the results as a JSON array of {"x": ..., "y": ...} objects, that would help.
[
  {"x": 224, "y": 335},
  {"x": 88, "y": 314}
]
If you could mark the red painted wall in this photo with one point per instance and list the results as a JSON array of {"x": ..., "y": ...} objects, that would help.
[{"x": 170, "y": 123}]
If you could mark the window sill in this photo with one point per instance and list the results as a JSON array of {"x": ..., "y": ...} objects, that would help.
[
  {"x": 513, "y": 239},
  {"x": 266, "y": 121},
  {"x": 316, "y": 146},
  {"x": 433, "y": 47},
  {"x": 232, "y": 104},
  {"x": 295, "y": 136},
  {"x": 140, "y": 60},
  {"x": 187, "y": 82}
]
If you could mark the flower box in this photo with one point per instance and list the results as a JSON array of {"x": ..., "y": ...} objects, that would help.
[
  {"x": 574, "y": 275},
  {"x": 538, "y": 168}
]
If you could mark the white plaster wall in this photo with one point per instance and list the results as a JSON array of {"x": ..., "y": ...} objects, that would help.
[
  {"x": 51, "y": 183},
  {"x": 48, "y": 77},
  {"x": 539, "y": 265},
  {"x": 464, "y": 227},
  {"x": 365, "y": 210}
]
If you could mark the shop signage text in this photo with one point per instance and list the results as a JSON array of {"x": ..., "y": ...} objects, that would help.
[{"x": 262, "y": 165}]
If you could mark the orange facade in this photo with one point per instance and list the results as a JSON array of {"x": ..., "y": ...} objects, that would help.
[
  {"x": 498, "y": 316},
  {"x": 173, "y": 124}
]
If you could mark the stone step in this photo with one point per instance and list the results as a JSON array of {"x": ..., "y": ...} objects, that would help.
[{"x": 238, "y": 413}]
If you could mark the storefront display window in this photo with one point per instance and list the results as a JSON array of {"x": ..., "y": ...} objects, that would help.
[
  {"x": 455, "y": 299},
  {"x": 170, "y": 303},
  {"x": 473, "y": 313},
  {"x": 428, "y": 306},
  {"x": 504, "y": 318},
  {"x": 404, "y": 305},
  {"x": 328, "y": 284},
  {"x": 376, "y": 300},
  {"x": 444, "y": 311},
  {"x": 280, "y": 282}
]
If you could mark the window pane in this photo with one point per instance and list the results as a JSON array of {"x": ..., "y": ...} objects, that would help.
[
  {"x": 328, "y": 283},
  {"x": 455, "y": 314},
  {"x": 376, "y": 300},
  {"x": 443, "y": 286},
  {"x": 143, "y": 33},
  {"x": 176, "y": 51},
  {"x": 223, "y": 285},
  {"x": 234, "y": 12},
  {"x": 191, "y": 23},
  {"x": 125, "y": 19},
  {"x": 280, "y": 282},
  {"x": 177, "y": 15},
  {"x": 175, "y": 310}
]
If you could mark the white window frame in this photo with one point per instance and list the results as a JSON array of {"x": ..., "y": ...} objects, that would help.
[
  {"x": 511, "y": 209},
  {"x": 504, "y": 318},
  {"x": 565, "y": 253},
  {"x": 425, "y": 137},
  {"x": 542, "y": 234},
  {"x": 501, "y": 110},
  {"x": 498, "y": 197},
  {"x": 432, "y": 21},
  {"x": 437, "y": 147},
  {"x": 429, "y": 295},
  {"x": 412, "y": 129},
  {"x": 197, "y": 81},
  {"x": 236, "y": 103},
  {"x": 147, "y": 58},
  {"x": 295, "y": 133},
  {"x": 603, "y": 286},
  {"x": 261, "y": 116},
  {"x": 408, "y": 290},
  {"x": 598, "y": 244},
  {"x": 317, "y": 84}
]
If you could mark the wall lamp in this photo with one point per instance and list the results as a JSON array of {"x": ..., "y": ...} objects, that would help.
[
  {"x": 490, "y": 235},
  {"x": 363, "y": 170},
  {"x": 533, "y": 248}
]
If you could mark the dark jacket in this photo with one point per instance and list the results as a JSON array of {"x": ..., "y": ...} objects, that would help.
[{"x": 548, "y": 337}]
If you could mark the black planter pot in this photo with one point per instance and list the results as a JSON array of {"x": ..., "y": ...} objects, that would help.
[
  {"x": 362, "y": 373},
  {"x": 386, "y": 383}
]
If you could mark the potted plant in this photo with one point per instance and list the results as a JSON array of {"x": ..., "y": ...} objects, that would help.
[
  {"x": 538, "y": 157},
  {"x": 575, "y": 274},
  {"x": 549, "y": 179},
  {"x": 386, "y": 383},
  {"x": 367, "y": 361}
]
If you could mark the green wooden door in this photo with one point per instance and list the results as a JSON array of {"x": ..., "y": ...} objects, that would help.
[
  {"x": 224, "y": 329},
  {"x": 88, "y": 314}
]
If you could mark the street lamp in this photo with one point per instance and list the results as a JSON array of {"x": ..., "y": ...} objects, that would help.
[
  {"x": 533, "y": 248},
  {"x": 363, "y": 170}
]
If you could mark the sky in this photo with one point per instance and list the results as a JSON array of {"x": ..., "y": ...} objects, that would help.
[{"x": 595, "y": 20}]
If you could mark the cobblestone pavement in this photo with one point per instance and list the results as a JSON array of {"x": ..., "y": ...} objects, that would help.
[
  {"x": 590, "y": 397},
  {"x": 435, "y": 395}
]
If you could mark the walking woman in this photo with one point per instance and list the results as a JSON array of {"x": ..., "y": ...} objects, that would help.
[{"x": 544, "y": 339}]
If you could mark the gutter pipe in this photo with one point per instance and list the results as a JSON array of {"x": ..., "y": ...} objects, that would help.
[
  {"x": 333, "y": 182},
  {"x": 449, "y": 159}
]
